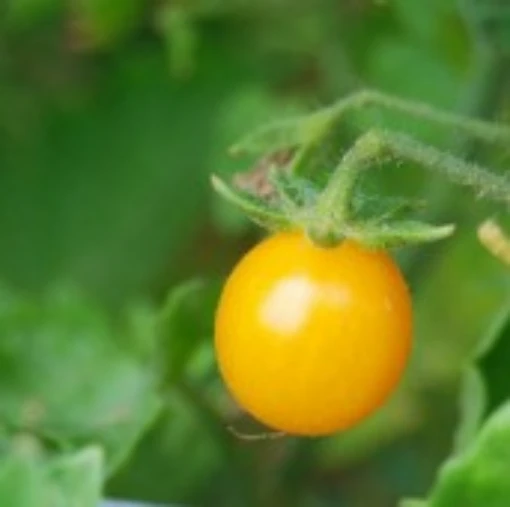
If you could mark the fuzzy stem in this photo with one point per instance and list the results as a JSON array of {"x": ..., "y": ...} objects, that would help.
[
  {"x": 484, "y": 95},
  {"x": 333, "y": 206},
  {"x": 486, "y": 183},
  {"x": 485, "y": 131},
  {"x": 375, "y": 143},
  {"x": 336, "y": 198},
  {"x": 321, "y": 125}
]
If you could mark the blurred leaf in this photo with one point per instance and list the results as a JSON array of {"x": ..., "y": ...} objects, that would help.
[
  {"x": 448, "y": 286},
  {"x": 478, "y": 477},
  {"x": 29, "y": 480},
  {"x": 436, "y": 24},
  {"x": 181, "y": 37},
  {"x": 473, "y": 402},
  {"x": 79, "y": 479},
  {"x": 474, "y": 476},
  {"x": 66, "y": 376},
  {"x": 413, "y": 503},
  {"x": 493, "y": 358},
  {"x": 26, "y": 13},
  {"x": 186, "y": 319},
  {"x": 110, "y": 183},
  {"x": 490, "y": 22},
  {"x": 423, "y": 67},
  {"x": 21, "y": 482},
  {"x": 215, "y": 470},
  {"x": 486, "y": 384},
  {"x": 402, "y": 415},
  {"x": 105, "y": 21}
]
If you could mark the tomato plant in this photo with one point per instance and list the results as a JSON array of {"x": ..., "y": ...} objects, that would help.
[
  {"x": 313, "y": 327},
  {"x": 311, "y": 340},
  {"x": 112, "y": 115}
]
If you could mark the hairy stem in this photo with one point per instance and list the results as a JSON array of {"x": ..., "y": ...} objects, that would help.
[
  {"x": 333, "y": 206},
  {"x": 487, "y": 184},
  {"x": 488, "y": 86},
  {"x": 483, "y": 130},
  {"x": 324, "y": 125},
  {"x": 335, "y": 201}
]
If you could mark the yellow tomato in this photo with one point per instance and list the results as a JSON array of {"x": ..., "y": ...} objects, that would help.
[{"x": 311, "y": 340}]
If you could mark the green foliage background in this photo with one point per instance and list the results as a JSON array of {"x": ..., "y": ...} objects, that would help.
[{"x": 113, "y": 248}]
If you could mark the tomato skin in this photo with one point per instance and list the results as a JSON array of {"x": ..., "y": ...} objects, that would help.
[{"x": 312, "y": 340}]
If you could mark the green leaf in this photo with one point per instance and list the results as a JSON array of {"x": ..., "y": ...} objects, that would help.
[
  {"x": 107, "y": 21},
  {"x": 78, "y": 479},
  {"x": 478, "y": 477},
  {"x": 391, "y": 54},
  {"x": 185, "y": 320},
  {"x": 108, "y": 180},
  {"x": 66, "y": 376},
  {"x": 485, "y": 385},
  {"x": 21, "y": 482},
  {"x": 473, "y": 403},
  {"x": 428, "y": 22},
  {"x": 26, "y": 13},
  {"x": 30, "y": 479},
  {"x": 489, "y": 22},
  {"x": 413, "y": 503},
  {"x": 181, "y": 39},
  {"x": 477, "y": 473}
]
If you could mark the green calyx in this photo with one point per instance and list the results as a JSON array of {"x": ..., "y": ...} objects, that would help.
[{"x": 287, "y": 195}]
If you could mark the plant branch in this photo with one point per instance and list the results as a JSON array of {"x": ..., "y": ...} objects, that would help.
[
  {"x": 324, "y": 124},
  {"x": 335, "y": 201},
  {"x": 486, "y": 183},
  {"x": 332, "y": 212},
  {"x": 485, "y": 131},
  {"x": 373, "y": 145}
]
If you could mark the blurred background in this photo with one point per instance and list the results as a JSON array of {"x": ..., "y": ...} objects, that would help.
[{"x": 113, "y": 114}]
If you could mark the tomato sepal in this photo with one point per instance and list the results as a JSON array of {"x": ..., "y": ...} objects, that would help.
[
  {"x": 394, "y": 234},
  {"x": 255, "y": 208}
]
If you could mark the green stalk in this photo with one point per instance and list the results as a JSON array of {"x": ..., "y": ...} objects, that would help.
[
  {"x": 485, "y": 131},
  {"x": 335, "y": 201},
  {"x": 489, "y": 86},
  {"x": 332, "y": 212}
]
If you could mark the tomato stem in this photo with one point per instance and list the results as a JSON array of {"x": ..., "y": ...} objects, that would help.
[
  {"x": 309, "y": 132},
  {"x": 486, "y": 183},
  {"x": 489, "y": 132},
  {"x": 333, "y": 210},
  {"x": 375, "y": 143},
  {"x": 321, "y": 125},
  {"x": 329, "y": 216},
  {"x": 338, "y": 194}
]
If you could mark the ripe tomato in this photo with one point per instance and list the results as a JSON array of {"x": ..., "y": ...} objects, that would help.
[{"x": 311, "y": 340}]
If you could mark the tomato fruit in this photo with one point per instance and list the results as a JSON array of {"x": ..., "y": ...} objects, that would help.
[{"x": 311, "y": 340}]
